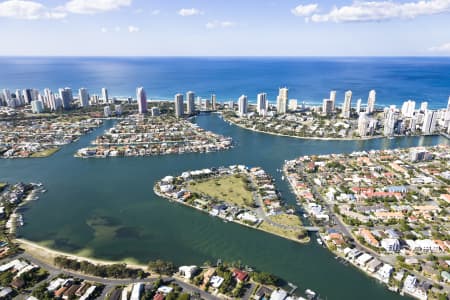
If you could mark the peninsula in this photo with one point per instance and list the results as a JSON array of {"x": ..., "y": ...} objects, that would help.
[{"x": 239, "y": 194}]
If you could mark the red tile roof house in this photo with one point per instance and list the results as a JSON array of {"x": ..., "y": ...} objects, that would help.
[
  {"x": 158, "y": 297},
  {"x": 240, "y": 276}
]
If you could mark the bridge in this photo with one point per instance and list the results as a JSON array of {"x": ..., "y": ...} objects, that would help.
[{"x": 312, "y": 228}]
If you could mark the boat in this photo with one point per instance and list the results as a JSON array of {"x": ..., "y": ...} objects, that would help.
[
  {"x": 310, "y": 293},
  {"x": 282, "y": 177},
  {"x": 319, "y": 241}
]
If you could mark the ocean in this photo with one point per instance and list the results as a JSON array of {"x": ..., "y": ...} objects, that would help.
[{"x": 395, "y": 79}]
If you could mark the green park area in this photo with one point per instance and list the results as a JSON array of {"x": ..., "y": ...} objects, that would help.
[
  {"x": 45, "y": 153},
  {"x": 232, "y": 189},
  {"x": 286, "y": 225}
]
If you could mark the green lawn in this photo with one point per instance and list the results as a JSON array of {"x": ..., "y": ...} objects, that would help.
[
  {"x": 230, "y": 189},
  {"x": 45, "y": 153},
  {"x": 287, "y": 219}
]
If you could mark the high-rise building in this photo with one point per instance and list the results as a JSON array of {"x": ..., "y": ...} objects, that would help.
[
  {"x": 6, "y": 95},
  {"x": 261, "y": 100},
  {"x": 429, "y": 122},
  {"x": 293, "y": 104},
  {"x": 105, "y": 95},
  {"x": 333, "y": 99},
  {"x": 358, "y": 106},
  {"x": 27, "y": 96},
  {"x": 83, "y": 97},
  {"x": 327, "y": 107},
  {"x": 118, "y": 109},
  {"x": 371, "y": 102},
  {"x": 447, "y": 115},
  {"x": 363, "y": 124},
  {"x": 390, "y": 121},
  {"x": 423, "y": 106},
  {"x": 214, "y": 101},
  {"x": 190, "y": 96},
  {"x": 141, "y": 97},
  {"x": 179, "y": 105},
  {"x": 408, "y": 108},
  {"x": 347, "y": 105},
  {"x": 282, "y": 100},
  {"x": 37, "y": 106},
  {"x": 65, "y": 96},
  {"x": 242, "y": 105},
  {"x": 107, "y": 111},
  {"x": 155, "y": 111}
]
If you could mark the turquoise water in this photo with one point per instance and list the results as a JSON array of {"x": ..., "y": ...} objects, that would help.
[{"x": 142, "y": 226}]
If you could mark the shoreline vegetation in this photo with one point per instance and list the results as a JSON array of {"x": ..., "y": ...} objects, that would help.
[{"x": 254, "y": 204}]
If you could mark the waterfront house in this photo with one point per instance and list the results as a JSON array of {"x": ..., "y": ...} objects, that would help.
[
  {"x": 384, "y": 273},
  {"x": 216, "y": 281},
  {"x": 187, "y": 271},
  {"x": 240, "y": 276},
  {"x": 374, "y": 265},
  {"x": 364, "y": 259},
  {"x": 278, "y": 294},
  {"x": 263, "y": 293}
]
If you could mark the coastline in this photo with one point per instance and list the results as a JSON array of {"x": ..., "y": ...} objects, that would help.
[
  {"x": 326, "y": 139},
  {"x": 47, "y": 255},
  {"x": 303, "y": 241}
]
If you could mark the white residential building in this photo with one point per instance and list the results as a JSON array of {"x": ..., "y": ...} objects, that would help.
[
  {"x": 347, "y": 105},
  {"x": 261, "y": 100},
  {"x": 371, "y": 102},
  {"x": 83, "y": 97},
  {"x": 390, "y": 245},
  {"x": 190, "y": 96},
  {"x": 141, "y": 97},
  {"x": 333, "y": 99},
  {"x": 429, "y": 122},
  {"x": 408, "y": 108},
  {"x": 179, "y": 105},
  {"x": 282, "y": 100},
  {"x": 242, "y": 105}
]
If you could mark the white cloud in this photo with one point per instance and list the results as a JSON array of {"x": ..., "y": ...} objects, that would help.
[
  {"x": 187, "y": 12},
  {"x": 117, "y": 29},
  {"x": 93, "y": 6},
  {"x": 27, "y": 10},
  {"x": 305, "y": 10},
  {"x": 132, "y": 29},
  {"x": 372, "y": 11},
  {"x": 104, "y": 29},
  {"x": 155, "y": 12},
  {"x": 444, "y": 48},
  {"x": 220, "y": 24}
]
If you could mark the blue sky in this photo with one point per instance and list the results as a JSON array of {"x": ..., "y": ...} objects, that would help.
[{"x": 225, "y": 28}]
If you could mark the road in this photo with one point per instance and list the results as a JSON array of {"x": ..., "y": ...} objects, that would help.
[
  {"x": 348, "y": 232},
  {"x": 111, "y": 282}
]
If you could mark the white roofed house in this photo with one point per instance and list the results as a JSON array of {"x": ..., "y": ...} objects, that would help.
[
  {"x": 187, "y": 271},
  {"x": 385, "y": 272},
  {"x": 390, "y": 245}
]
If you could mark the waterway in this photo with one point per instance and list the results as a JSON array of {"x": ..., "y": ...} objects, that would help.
[{"x": 105, "y": 208}]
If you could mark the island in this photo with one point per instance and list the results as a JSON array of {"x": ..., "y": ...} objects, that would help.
[
  {"x": 239, "y": 194},
  {"x": 37, "y": 137},
  {"x": 139, "y": 135},
  {"x": 385, "y": 212}
]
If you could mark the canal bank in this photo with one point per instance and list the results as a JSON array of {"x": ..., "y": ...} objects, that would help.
[{"x": 106, "y": 209}]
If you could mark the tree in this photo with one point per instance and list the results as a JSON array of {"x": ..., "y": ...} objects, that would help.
[{"x": 162, "y": 267}]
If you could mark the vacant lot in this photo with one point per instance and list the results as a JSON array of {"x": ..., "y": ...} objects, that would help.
[
  {"x": 231, "y": 189},
  {"x": 45, "y": 153}
]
